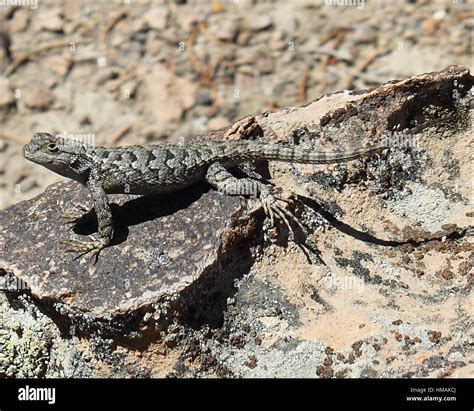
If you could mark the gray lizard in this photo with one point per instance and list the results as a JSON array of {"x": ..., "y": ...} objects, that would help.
[{"x": 153, "y": 169}]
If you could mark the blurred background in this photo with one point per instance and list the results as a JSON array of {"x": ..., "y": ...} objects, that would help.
[{"x": 128, "y": 72}]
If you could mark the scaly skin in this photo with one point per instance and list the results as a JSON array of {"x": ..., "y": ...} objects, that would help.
[{"x": 153, "y": 169}]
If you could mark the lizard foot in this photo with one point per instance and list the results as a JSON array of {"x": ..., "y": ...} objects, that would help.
[
  {"x": 272, "y": 206},
  {"x": 74, "y": 215},
  {"x": 94, "y": 246}
]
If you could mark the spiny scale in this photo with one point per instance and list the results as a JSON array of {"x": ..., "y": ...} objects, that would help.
[
  {"x": 150, "y": 169},
  {"x": 235, "y": 152}
]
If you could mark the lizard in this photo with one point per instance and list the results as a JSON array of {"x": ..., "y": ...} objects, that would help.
[{"x": 164, "y": 168}]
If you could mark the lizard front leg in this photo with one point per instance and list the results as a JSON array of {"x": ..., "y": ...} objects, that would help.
[{"x": 104, "y": 219}]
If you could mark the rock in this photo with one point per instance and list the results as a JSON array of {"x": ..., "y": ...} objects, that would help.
[
  {"x": 259, "y": 22},
  {"x": 440, "y": 14},
  {"x": 105, "y": 74},
  {"x": 5, "y": 52},
  {"x": 225, "y": 29},
  {"x": 181, "y": 245},
  {"x": 129, "y": 89},
  {"x": 50, "y": 20},
  {"x": 153, "y": 43},
  {"x": 60, "y": 64},
  {"x": 244, "y": 37},
  {"x": 265, "y": 65},
  {"x": 365, "y": 35},
  {"x": 217, "y": 7},
  {"x": 204, "y": 97},
  {"x": 430, "y": 25},
  {"x": 284, "y": 18},
  {"x": 169, "y": 95},
  {"x": 20, "y": 21},
  {"x": 39, "y": 99},
  {"x": 71, "y": 10},
  {"x": 217, "y": 122},
  {"x": 7, "y": 97},
  {"x": 156, "y": 18},
  {"x": 84, "y": 120},
  {"x": 187, "y": 21},
  {"x": 191, "y": 275}
]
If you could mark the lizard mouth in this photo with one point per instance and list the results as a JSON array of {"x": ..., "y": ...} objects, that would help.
[
  {"x": 27, "y": 149},
  {"x": 30, "y": 152}
]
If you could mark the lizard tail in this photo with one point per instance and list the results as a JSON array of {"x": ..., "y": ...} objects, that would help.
[{"x": 300, "y": 155}]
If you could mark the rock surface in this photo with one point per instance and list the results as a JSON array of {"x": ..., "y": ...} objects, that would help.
[
  {"x": 192, "y": 288},
  {"x": 149, "y": 265}
]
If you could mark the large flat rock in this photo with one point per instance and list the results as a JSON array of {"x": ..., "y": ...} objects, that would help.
[
  {"x": 164, "y": 247},
  {"x": 391, "y": 293}
]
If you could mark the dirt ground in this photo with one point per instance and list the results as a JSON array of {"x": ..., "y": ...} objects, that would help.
[
  {"x": 133, "y": 73},
  {"x": 125, "y": 74}
]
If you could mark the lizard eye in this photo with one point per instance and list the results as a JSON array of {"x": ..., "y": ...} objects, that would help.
[{"x": 52, "y": 147}]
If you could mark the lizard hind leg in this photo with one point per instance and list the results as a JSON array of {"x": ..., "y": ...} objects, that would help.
[{"x": 219, "y": 177}]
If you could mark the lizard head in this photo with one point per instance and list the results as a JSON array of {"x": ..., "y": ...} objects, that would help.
[{"x": 57, "y": 154}]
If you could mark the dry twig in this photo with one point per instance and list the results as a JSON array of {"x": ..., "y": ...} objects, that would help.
[
  {"x": 18, "y": 61},
  {"x": 104, "y": 35},
  {"x": 115, "y": 137}
]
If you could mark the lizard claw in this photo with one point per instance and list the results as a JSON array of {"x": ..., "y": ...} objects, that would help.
[
  {"x": 268, "y": 208},
  {"x": 272, "y": 208},
  {"x": 94, "y": 246}
]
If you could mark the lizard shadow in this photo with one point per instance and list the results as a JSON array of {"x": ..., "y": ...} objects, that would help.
[
  {"x": 139, "y": 210},
  {"x": 204, "y": 302},
  {"x": 149, "y": 207},
  {"x": 346, "y": 228}
]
